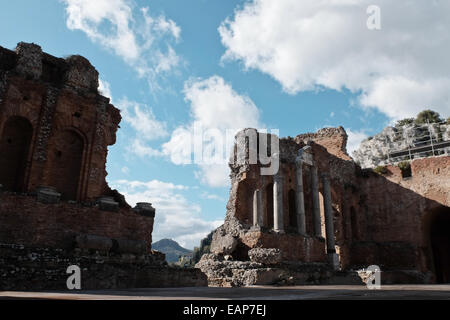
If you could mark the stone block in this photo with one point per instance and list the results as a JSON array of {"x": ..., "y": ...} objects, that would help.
[
  {"x": 81, "y": 74},
  {"x": 29, "y": 62},
  {"x": 225, "y": 244},
  {"x": 85, "y": 241},
  {"x": 130, "y": 246},
  {"x": 108, "y": 204},
  {"x": 266, "y": 256},
  {"x": 261, "y": 277},
  {"x": 145, "y": 209},
  {"x": 48, "y": 195}
]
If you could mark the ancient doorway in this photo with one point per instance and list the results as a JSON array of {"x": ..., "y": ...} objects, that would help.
[
  {"x": 14, "y": 150},
  {"x": 292, "y": 211},
  {"x": 269, "y": 205},
  {"x": 440, "y": 243},
  {"x": 65, "y": 163}
]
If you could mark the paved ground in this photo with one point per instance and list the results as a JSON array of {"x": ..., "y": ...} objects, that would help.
[{"x": 403, "y": 292}]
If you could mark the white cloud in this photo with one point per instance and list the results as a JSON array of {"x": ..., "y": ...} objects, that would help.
[
  {"x": 211, "y": 196},
  {"x": 179, "y": 147},
  {"x": 139, "y": 148},
  {"x": 215, "y": 104},
  {"x": 146, "y": 127},
  {"x": 139, "y": 39},
  {"x": 142, "y": 120},
  {"x": 90, "y": 16},
  {"x": 354, "y": 140},
  {"x": 166, "y": 61},
  {"x": 309, "y": 44},
  {"x": 215, "y": 108},
  {"x": 104, "y": 88},
  {"x": 176, "y": 217},
  {"x": 214, "y": 175}
]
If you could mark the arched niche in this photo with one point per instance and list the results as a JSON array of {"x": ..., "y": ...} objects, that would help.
[
  {"x": 65, "y": 163},
  {"x": 14, "y": 150}
]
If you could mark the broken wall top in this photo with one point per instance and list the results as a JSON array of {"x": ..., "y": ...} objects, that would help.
[{"x": 29, "y": 61}]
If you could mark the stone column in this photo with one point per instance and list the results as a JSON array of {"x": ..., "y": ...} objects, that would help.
[
  {"x": 317, "y": 220},
  {"x": 300, "y": 198},
  {"x": 257, "y": 209},
  {"x": 329, "y": 222},
  {"x": 278, "y": 220}
]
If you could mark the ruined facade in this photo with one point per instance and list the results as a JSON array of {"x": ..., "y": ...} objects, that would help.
[
  {"x": 55, "y": 129},
  {"x": 55, "y": 204},
  {"x": 55, "y": 126},
  {"x": 321, "y": 217}
]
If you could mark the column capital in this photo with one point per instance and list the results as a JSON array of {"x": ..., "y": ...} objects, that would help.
[{"x": 299, "y": 162}]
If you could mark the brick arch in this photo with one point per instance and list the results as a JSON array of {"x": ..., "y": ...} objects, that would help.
[
  {"x": 70, "y": 122},
  {"x": 12, "y": 110},
  {"x": 15, "y": 142},
  {"x": 66, "y": 161}
]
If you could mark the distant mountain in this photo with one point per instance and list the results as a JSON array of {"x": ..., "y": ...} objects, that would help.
[{"x": 171, "y": 249}]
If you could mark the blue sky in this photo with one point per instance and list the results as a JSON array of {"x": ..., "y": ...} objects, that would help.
[{"x": 295, "y": 66}]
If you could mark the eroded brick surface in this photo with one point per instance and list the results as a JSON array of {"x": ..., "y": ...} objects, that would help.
[
  {"x": 56, "y": 208},
  {"x": 400, "y": 224}
]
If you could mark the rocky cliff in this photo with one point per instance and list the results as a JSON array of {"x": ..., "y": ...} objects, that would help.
[{"x": 386, "y": 147}]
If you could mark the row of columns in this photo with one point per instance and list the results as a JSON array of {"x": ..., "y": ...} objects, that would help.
[
  {"x": 300, "y": 204},
  {"x": 278, "y": 209}
]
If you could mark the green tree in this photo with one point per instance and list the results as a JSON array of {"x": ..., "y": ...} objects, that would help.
[
  {"x": 381, "y": 170},
  {"x": 204, "y": 248},
  {"x": 428, "y": 116},
  {"x": 405, "y": 122},
  {"x": 405, "y": 166}
]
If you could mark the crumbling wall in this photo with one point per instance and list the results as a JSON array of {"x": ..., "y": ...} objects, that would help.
[
  {"x": 56, "y": 96},
  {"x": 395, "y": 232},
  {"x": 55, "y": 129},
  {"x": 56, "y": 208},
  {"x": 25, "y": 221},
  {"x": 375, "y": 219},
  {"x": 24, "y": 268}
]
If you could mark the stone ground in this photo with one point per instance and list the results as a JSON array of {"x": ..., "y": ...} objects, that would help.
[{"x": 401, "y": 292}]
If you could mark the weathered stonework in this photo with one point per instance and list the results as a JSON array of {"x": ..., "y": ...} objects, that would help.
[
  {"x": 24, "y": 269},
  {"x": 67, "y": 125},
  {"x": 378, "y": 150},
  {"x": 56, "y": 208},
  {"x": 333, "y": 214}
]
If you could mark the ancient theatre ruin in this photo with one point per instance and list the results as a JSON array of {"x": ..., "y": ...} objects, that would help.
[
  {"x": 56, "y": 208},
  {"x": 322, "y": 218}
]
